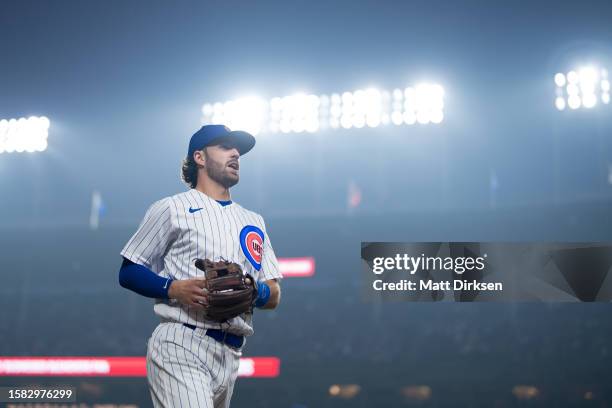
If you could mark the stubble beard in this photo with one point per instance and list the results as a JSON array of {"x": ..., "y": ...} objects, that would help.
[{"x": 217, "y": 172}]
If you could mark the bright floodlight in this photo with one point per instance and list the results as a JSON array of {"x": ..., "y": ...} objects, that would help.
[
  {"x": 573, "y": 101},
  {"x": 295, "y": 113},
  {"x": 371, "y": 107},
  {"x": 427, "y": 103},
  {"x": 582, "y": 88},
  {"x": 560, "y": 103},
  {"x": 244, "y": 113},
  {"x": 364, "y": 107},
  {"x": 560, "y": 79},
  {"x": 24, "y": 135}
]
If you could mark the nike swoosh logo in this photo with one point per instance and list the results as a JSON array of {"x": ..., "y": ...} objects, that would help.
[{"x": 192, "y": 210}]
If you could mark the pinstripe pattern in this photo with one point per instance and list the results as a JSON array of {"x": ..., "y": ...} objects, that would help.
[
  {"x": 186, "y": 368},
  {"x": 170, "y": 238}
]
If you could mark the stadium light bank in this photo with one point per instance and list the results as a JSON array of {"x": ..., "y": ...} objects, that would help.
[
  {"x": 584, "y": 87},
  {"x": 21, "y": 135},
  {"x": 307, "y": 113}
]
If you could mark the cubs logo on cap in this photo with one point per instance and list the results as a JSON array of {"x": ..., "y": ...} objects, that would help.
[{"x": 251, "y": 242}]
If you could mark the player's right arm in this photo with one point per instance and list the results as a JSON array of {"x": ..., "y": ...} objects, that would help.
[
  {"x": 145, "y": 282},
  {"x": 142, "y": 280},
  {"x": 143, "y": 259}
]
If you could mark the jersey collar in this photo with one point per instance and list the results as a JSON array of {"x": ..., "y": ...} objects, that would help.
[{"x": 223, "y": 203}]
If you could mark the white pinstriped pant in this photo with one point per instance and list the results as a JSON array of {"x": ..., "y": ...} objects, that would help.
[{"x": 186, "y": 368}]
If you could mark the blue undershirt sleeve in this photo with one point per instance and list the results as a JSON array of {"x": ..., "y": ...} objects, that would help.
[
  {"x": 263, "y": 294},
  {"x": 143, "y": 281}
]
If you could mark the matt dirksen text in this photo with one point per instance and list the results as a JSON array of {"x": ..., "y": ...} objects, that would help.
[{"x": 456, "y": 284}]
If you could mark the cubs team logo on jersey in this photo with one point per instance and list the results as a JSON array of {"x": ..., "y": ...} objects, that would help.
[{"x": 251, "y": 242}]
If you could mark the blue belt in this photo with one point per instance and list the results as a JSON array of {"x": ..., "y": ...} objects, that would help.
[{"x": 230, "y": 339}]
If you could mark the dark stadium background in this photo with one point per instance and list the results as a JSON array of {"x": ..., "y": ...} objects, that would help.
[{"x": 123, "y": 84}]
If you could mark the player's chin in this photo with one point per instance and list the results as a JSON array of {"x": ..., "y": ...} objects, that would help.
[{"x": 231, "y": 179}]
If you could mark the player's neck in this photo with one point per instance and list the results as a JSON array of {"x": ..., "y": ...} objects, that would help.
[{"x": 213, "y": 189}]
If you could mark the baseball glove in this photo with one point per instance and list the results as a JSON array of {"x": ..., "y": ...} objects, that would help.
[{"x": 230, "y": 291}]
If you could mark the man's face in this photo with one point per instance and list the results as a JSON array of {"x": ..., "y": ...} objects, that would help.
[{"x": 223, "y": 164}]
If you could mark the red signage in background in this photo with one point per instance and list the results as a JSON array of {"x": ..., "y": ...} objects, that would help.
[
  {"x": 297, "y": 267},
  {"x": 113, "y": 367}
]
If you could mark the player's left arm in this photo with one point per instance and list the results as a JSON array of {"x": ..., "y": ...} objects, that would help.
[
  {"x": 275, "y": 294},
  {"x": 270, "y": 276}
]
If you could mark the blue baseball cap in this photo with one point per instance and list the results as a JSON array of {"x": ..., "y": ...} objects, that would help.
[{"x": 209, "y": 134}]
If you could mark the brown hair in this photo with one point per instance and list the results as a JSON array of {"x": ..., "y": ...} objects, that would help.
[{"x": 189, "y": 171}]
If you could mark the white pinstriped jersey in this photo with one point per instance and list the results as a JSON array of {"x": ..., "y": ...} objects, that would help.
[{"x": 178, "y": 229}]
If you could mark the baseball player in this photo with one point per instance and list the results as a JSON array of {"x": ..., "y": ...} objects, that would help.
[{"x": 192, "y": 361}]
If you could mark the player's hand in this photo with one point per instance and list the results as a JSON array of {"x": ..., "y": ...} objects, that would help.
[{"x": 189, "y": 292}]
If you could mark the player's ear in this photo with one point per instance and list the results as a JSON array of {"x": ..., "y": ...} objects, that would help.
[{"x": 199, "y": 157}]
